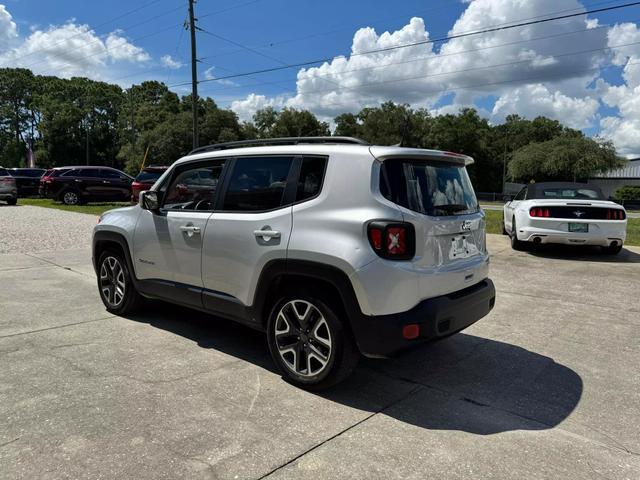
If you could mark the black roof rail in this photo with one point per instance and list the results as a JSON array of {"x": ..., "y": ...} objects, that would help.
[{"x": 277, "y": 141}]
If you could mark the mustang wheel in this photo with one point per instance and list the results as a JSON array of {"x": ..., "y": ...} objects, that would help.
[
  {"x": 117, "y": 291},
  {"x": 309, "y": 343},
  {"x": 515, "y": 243}
]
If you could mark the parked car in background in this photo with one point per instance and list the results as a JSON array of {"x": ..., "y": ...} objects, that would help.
[
  {"x": 567, "y": 213},
  {"x": 27, "y": 180},
  {"x": 145, "y": 180},
  {"x": 76, "y": 185},
  {"x": 8, "y": 189}
]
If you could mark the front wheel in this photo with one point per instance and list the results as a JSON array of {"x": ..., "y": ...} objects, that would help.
[
  {"x": 115, "y": 284},
  {"x": 311, "y": 346}
]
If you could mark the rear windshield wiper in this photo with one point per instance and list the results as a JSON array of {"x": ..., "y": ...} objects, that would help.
[{"x": 451, "y": 207}]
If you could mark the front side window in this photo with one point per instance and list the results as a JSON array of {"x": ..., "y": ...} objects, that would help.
[
  {"x": 431, "y": 188},
  {"x": 257, "y": 184},
  {"x": 194, "y": 188}
]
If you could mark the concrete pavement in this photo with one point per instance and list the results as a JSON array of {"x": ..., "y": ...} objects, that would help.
[{"x": 546, "y": 386}]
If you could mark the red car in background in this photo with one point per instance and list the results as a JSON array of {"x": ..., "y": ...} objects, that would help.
[{"x": 145, "y": 180}]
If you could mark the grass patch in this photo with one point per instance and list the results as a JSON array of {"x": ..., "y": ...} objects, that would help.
[
  {"x": 91, "y": 209},
  {"x": 494, "y": 225}
]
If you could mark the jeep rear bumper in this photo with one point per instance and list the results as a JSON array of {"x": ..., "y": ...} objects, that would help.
[{"x": 382, "y": 336}]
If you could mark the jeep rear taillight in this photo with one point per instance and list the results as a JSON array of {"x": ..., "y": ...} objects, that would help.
[{"x": 392, "y": 240}]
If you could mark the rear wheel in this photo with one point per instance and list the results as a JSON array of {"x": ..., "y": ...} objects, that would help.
[
  {"x": 12, "y": 201},
  {"x": 611, "y": 250},
  {"x": 515, "y": 243},
  {"x": 309, "y": 343},
  {"x": 70, "y": 197},
  {"x": 115, "y": 284}
]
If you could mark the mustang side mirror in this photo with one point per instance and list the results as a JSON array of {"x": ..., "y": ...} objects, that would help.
[{"x": 149, "y": 200}]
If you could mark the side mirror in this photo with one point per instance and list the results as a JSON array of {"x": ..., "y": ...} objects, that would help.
[
  {"x": 507, "y": 198},
  {"x": 149, "y": 200}
]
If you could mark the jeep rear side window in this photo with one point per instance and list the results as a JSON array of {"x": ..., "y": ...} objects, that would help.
[
  {"x": 257, "y": 184},
  {"x": 311, "y": 175},
  {"x": 431, "y": 188}
]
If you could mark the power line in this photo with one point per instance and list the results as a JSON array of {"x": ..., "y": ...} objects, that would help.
[
  {"x": 444, "y": 7},
  {"x": 422, "y": 42},
  {"x": 486, "y": 67},
  {"x": 440, "y": 55},
  {"x": 489, "y": 84}
]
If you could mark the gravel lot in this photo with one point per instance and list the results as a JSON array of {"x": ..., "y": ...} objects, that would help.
[
  {"x": 547, "y": 386},
  {"x": 34, "y": 229}
]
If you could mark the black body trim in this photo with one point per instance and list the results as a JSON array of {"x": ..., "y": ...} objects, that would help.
[
  {"x": 439, "y": 317},
  {"x": 378, "y": 336}
]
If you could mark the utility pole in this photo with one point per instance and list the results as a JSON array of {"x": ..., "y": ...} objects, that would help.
[{"x": 194, "y": 74}]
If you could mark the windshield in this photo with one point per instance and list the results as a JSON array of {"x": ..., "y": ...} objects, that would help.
[
  {"x": 431, "y": 188},
  {"x": 583, "y": 193}
]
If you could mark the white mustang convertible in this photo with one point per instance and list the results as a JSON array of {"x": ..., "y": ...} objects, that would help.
[{"x": 568, "y": 213}]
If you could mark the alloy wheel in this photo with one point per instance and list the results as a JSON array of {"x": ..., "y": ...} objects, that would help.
[
  {"x": 70, "y": 198},
  {"x": 112, "y": 281},
  {"x": 303, "y": 338}
]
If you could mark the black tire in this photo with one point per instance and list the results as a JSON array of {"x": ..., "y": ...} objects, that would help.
[
  {"x": 341, "y": 356},
  {"x": 12, "y": 201},
  {"x": 515, "y": 243},
  {"x": 504, "y": 229},
  {"x": 609, "y": 250},
  {"x": 128, "y": 299},
  {"x": 70, "y": 197}
]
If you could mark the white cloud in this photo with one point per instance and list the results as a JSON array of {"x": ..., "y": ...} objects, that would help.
[
  {"x": 69, "y": 50},
  {"x": 537, "y": 100},
  {"x": 119, "y": 48},
  {"x": 8, "y": 30},
  {"x": 170, "y": 62},
  {"x": 624, "y": 130},
  {"x": 247, "y": 107},
  {"x": 422, "y": 74}
]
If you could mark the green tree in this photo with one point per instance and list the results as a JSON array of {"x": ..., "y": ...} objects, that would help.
[{"x": 566, "y": 157}]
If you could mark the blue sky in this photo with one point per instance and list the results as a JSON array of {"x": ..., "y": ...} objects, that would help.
[{"x": 580, "y": 70}]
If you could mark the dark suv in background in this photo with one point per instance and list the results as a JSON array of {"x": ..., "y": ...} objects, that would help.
[
  {"x": 27, "y": 180},
  {"x": 8, "y": 190},
  {"x": 75, "y": 185}
]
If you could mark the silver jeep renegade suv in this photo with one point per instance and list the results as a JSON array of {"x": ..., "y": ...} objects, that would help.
[{"x": 333, "y": 247}]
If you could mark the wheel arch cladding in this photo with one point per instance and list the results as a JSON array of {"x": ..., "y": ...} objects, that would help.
[
  {"x": 103, "y": 240},
  {"x": 329, "y": 281}
]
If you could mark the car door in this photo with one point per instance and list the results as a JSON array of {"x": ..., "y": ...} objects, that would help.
[
  {"x": 168, "y": 243},
  {"x": 116, "y": 185},
  {"x": 250, "y": 226},
  {"x": 510, "y": 208}
]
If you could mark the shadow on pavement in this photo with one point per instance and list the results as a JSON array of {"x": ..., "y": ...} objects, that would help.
[
  {"x": 583, "y": 252},
  {"x": 464, "y": 382}
]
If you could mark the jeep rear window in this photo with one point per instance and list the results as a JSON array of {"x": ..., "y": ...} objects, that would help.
[
  {"x": 4, "y": 172},
  {"x": 430, "y": 188},
  {"x": 149, "y": 177}
]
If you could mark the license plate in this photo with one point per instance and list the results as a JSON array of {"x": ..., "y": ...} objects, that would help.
[
  {"x": 459, "y": 247},
  {"x": 579, "y": 227}
]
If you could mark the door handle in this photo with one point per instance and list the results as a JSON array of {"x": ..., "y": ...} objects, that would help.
[
  {"x": 190, "y": 230},
  {"x": 266, "y": 234}
]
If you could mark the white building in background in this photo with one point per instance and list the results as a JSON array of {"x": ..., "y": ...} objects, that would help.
[{"x": 612, "y": 180}]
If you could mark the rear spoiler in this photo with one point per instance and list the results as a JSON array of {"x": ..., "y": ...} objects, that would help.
[{"x": 384, "y": 153}]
